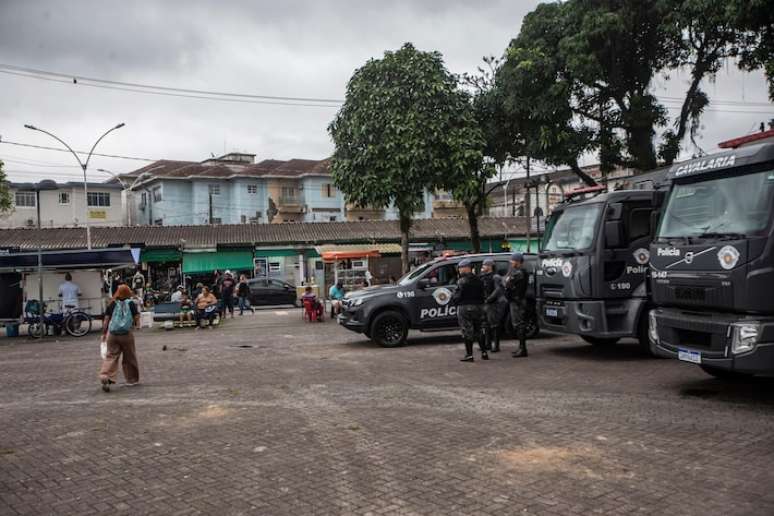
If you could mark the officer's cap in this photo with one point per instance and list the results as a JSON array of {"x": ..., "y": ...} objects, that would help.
[
  {"x": 517, "y": 257},
  {"x": 489, "y": 261},
  {"x": 463, "y": 263}
]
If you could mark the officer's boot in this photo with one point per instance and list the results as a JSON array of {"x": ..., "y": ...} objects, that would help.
[
  {"x": 483, "y": 344},
  {"x": 468, "y": 351},
  {"x": 495, "y": 340},
  {"x": 522, "y": 351}
]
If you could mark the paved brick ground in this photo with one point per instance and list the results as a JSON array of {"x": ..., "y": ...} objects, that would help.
[{"x": 315, "y": 420}]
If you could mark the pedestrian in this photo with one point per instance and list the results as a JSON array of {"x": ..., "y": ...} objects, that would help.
[
  {"x": 178, "y": 294},
  {"x": 206, "y": 307},
  {"x": 516, "y": 291},
  {"x": 121, "y": 316},
  {"x": 469, "y": 298},
  {"x": 138, "y": 283},
  {"x": 336, "y": 294},
  {"x": 243, "y": 292},
  {"x": 69, "y": 292},
  {"x": 495, "y": 303},
  {"x": 227, "y": 291}
]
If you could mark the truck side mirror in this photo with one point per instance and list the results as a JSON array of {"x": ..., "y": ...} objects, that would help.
[
  {"x": 614, "y": 211},
  {"x": 613, "y": 234},
  {"x": 423, "y": 284}
]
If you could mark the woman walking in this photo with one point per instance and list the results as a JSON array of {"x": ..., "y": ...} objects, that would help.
[{"x": 121, "y": 317}]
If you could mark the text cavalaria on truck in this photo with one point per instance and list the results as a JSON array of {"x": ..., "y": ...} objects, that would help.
[
  {"x": 421, "y": 300},
  {"x": 712, "y": 264}
]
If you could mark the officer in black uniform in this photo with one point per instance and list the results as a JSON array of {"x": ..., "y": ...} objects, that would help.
[
  {"x": 516, "y": 291},
  {"x": 469, "y": 298},
  {"x": 495, "y": 303}
]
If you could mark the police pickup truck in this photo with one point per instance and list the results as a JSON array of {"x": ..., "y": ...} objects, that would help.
[{"x": 421, "y": 300}]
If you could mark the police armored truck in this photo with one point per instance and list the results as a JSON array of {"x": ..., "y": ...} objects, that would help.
[
  {"x": 712, "y": 262},
  {"x": 420, "y": 300},
  {"x": 591, "y": 277}
]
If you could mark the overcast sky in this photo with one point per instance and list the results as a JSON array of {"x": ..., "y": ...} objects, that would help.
[{"x": 290, "y": 48}]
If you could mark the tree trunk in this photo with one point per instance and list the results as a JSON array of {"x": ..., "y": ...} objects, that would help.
[
  {"x": 587, "y": 179},
  {"x": 405, "y": 227},
  {"x": 475, "y": 236}
]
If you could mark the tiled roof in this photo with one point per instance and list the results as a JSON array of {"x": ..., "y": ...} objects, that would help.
[
  {"x": 266, "y": 168},
  {"x": 258, "y": 234}
]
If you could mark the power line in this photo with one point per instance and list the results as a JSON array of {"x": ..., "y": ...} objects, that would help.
[
  {"x": 59, "y": 149},
  {"x": 168, "y": 91}
]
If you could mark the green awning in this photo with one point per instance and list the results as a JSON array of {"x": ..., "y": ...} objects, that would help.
[
  {"x": 520, "y": 244},
  {"x": 275, "y": 253},
  {"x": 195, "y": 263},
  {"x": 160, "y": 255}
]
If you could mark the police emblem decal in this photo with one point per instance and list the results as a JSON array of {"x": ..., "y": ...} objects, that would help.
[
  {"x": 442, "y": 296},
  {"x": 728, "y": 256},
  {"x": 642, "y": 256},
  {"x": 567, "y": 269}
]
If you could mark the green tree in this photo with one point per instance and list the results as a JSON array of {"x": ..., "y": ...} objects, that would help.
[
  {"x": 597, "y": 59},
  {"x": 405, "y": 127},
  {"x": 5, "y": 193},
  {"x": 754, "y": 19}
]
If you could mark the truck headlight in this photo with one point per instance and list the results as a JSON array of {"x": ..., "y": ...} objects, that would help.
[
  {"x": 744, "y": 336},
  {"x": 358, "y": 301},
  {"x": 653, "y": 326}
]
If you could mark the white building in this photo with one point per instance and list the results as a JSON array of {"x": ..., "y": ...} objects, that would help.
[{"x": 65, "y": 206}]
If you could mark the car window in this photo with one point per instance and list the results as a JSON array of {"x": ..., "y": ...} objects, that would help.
[
  {"x": 278, "y": 284},
  {"x": 502, "y": 267},
  {"x": 258, "y": 283},
  {"x": 443, "y": 275}
]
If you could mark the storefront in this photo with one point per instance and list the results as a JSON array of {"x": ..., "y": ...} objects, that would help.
[
  {"x": 161, "y": 268},
  {"x": 358, "y": 264},
  {"x": 201, "y": 265},
  {"x": 286, "y": 264}
]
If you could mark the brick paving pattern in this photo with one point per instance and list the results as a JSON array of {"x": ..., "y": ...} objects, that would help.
[{"x": 313, "y": 419}]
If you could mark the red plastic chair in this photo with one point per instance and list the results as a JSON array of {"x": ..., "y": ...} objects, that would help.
[{"x": 312, "y": 312}]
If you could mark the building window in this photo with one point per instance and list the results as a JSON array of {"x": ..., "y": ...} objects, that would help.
[
  {"x": 289, "y": 194},
  {"x": 328, "y": 190},
  {"x": 143, "y": 200},
  {"x": 243, "y": 219},
  {"x": 252, "y": 189},
  {"x": 275, "y": 267},
  {"x": 157, "y": 194},
  {"x": 98, "y": 199},
  {"x": 25, "y": 200},
  {"x": 64, "y": 197},
  {"x": 332, "y": 219},
  {"x": 441, "y": 195},
  {"x": 216, "y": 220},
  {"x": 158, "y": 222},
  {"x": 214, "y": 189}
]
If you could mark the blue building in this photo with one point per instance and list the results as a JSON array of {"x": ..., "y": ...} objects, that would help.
[{"x": 233, "y": 189}]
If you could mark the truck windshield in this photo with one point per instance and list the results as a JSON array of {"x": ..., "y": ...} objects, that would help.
[
  {"x": 736, "y": 206},
  {"x": 412, "y": 275},
  {"x": 573, "y": 228}
]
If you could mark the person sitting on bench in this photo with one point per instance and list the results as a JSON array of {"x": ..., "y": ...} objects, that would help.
[{"x": 206, "y": 307}]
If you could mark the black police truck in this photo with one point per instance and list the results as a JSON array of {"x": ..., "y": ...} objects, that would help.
[
  {"x": 420, "y": 300},
  {"x": 591, "y": 276},
  {"x": 712, "y": 262}
]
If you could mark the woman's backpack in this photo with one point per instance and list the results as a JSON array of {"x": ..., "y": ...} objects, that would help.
[{"x": 121, "y": 321}]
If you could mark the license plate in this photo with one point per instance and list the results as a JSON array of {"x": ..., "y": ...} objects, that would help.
[
  {"x": 552, "y": 312},
  {"x": 689, "y": 356}
]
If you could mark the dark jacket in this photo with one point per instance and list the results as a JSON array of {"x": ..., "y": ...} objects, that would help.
[
  {"x": 516, "y": 283},
  {"x": 470, "y": 290},
  {"x": 494, "y": 288},
  {"x": 243, "y": 289}
]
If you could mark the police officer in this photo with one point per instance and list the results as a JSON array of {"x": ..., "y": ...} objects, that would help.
[
  {"x": 516, "y": 291},
  {"x": 494, "y": 303},
  {"x": 469, "y": 298}
]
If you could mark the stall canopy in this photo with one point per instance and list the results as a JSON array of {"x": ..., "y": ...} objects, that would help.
[
  {"x": 160, "y": 255},
  {"x": 197, "y": 263},
  {"x": 78, "y": 259},
  {"x": 331, "y": 253}
]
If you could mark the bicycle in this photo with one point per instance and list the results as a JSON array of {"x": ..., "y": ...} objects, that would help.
[{"x": 75, "y": 322}]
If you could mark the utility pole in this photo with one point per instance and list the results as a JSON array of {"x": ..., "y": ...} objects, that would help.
[{"x": 529, "y": 211}]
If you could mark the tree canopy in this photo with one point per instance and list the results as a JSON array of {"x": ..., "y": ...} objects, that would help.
[
  {"x": 5, "y": 194},
  {"x": 404, "y": 128}
]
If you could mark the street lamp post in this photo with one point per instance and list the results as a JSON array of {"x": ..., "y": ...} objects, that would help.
[
  {"x": 84, "y": 165},
  {"x": 126, "y": 188},
  {"x": 46, "y": 184}
]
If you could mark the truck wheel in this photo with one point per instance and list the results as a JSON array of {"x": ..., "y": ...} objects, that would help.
[
  {"x": 389, "y": 329},
  {"x": 725, "y": 374},
  {"x": 599, "y": 341}
]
